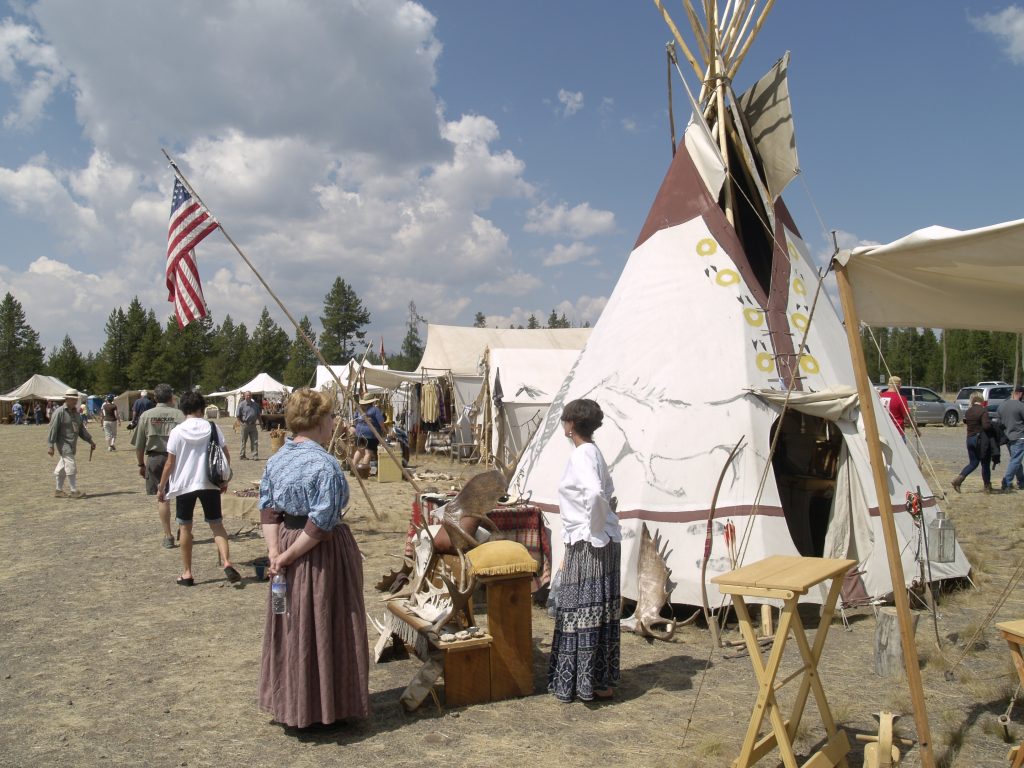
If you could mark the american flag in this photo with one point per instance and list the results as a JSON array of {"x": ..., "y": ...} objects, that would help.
[{"x": 190, "y": 223}]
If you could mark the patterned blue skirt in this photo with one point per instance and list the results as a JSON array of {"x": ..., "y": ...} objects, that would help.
[{"x": 585, "y": 648}]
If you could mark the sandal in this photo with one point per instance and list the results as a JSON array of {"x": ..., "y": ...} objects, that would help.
[
  {"x": 186, "y": 581},
  {"x": 233, "y": 576}
]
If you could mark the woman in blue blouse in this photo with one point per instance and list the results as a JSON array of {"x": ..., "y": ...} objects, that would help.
[{"x": 315, "y": 665}]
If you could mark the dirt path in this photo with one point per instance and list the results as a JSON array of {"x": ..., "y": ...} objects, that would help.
[{"x": 105, "y": 661}]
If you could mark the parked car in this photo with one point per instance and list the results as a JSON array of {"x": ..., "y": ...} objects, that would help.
[
  {"x": 928, "y": 407},
  {"x": 990, "y": 394},
  {"x": 992, "y": 384}
]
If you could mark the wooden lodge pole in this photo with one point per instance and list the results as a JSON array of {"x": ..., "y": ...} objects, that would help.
[{"x": 892, "y": 548}]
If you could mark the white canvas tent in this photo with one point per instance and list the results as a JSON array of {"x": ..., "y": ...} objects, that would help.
[
  {"x": 36, "y": 387},
  {"x": 459, "y": 352},
  {"x": 521, "y": 384},
  {"x": 39, "y": 387},
  {"x": 714, "y": 306},
  {"x": 942, "y": 278},
  {"x": 261, "y": 384}
]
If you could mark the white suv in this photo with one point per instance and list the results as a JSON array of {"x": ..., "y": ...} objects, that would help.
[{"x": 990, "y": 394}]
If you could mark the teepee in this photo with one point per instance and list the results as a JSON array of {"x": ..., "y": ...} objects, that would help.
[{"x": 731, "y": 344}]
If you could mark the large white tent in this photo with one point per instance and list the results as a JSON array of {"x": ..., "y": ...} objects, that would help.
[
  {"x": 261, "y": 384},
  {"x": 38, "y": 386},
  {"x": 726, "y": 340}
]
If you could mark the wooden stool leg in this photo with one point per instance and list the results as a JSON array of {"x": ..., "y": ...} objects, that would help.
[{"x": 766, "y": 705}]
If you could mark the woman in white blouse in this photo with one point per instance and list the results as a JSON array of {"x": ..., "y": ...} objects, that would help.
[{"x": 585, "y": 648}]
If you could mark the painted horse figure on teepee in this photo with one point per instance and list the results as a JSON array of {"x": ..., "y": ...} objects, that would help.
[{"x": 730, "y": 339}]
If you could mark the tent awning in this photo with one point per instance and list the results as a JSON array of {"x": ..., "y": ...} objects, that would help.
[{"x": 942, "y": 278}]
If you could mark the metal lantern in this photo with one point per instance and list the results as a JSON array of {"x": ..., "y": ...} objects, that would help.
[{"x": 941, "y": 539}]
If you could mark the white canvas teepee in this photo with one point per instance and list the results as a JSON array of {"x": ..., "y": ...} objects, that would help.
[{"x": 713, "y": 304}]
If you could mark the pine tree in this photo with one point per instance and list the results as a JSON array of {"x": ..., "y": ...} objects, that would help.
[
  {"x": 185, "y": 349},
  {"x": 343, "y": 320},
  {"x": 267, "y": 351},
  {"x": 301, "y": 360},
  {"x": 480, "y": 320},
  {"x": 68, "y": 365},
  {"x": 115, "y": 357},
  {"x": 412, "y": 345},
  {"x": 224, "y": 369},
  {"x": 148, "y": 348},
  {"x": 20, "y": 351},
  {"x": 532, "y": 323}
]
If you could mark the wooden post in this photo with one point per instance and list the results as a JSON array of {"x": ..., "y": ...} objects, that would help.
[
  {"x": 892, "y": 547},
  {"x": 888, "y": 643}
]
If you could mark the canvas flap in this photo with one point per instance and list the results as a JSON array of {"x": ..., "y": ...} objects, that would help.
[
  {"x": 769, "y": 116},
  {"x": 942, "y": 278}
]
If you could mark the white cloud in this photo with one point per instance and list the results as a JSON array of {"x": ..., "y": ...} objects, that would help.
[
  {"x": 1007, "y": 26},
  {"x": 629, "y": 125},
  {"x": 566, "y": 254},
  {"x": 579, "y": 222},
  {"x": 36, "y": 192},
  {"x": 314, "y": 134},
  {"x": 32, "y": 69},
  {"x": 607, "y": 106},
  {"x": 571, "y": 101},
  {"x": 586, "y": 309},
  {"x": 354, "y": 76},
  {"x": 512, "y": 283}
]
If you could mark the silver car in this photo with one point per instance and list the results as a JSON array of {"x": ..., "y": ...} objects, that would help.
[{"x": 927, "y": 407}]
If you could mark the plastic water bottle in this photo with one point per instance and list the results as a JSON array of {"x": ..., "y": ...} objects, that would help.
[{"x": 279, "y": 594}]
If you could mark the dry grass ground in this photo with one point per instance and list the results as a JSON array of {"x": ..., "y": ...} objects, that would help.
[{"x": 105, "y": 661}]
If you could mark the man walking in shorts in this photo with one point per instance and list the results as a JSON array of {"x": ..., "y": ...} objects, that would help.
[
  {"x": 150, "y": 441},
  {"x": 65, "y": 428}
]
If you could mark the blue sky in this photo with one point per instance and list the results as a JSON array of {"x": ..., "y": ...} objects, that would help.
[{"x": 468, "y": 156}]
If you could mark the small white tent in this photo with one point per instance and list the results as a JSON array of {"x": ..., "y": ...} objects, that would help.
[{"x": 262, "y": 384}]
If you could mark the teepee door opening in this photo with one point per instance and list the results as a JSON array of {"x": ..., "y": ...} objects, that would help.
[{"x": 805, "y": 464}]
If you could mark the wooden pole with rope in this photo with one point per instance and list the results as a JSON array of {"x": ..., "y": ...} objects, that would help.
[
  {"x": 302, "y": 334},
  {"x": 892, "y": 548}
]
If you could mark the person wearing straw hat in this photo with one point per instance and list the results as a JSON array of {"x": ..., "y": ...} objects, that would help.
[
  {"x": 366, "y": 440},
  {"x": 66, "y": 427}
]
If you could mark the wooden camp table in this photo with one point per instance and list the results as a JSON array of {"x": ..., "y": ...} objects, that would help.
[
  {"x": 1013, "y": 633},
  {"x": 786, "y": 578}
]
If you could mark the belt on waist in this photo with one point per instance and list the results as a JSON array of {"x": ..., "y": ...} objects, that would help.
[
  {"x": 295, "y": 522},
  {"x": 156, "y": 453}
]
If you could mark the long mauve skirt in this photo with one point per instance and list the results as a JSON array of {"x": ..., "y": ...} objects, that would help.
[{"x": 315, "y": 665}]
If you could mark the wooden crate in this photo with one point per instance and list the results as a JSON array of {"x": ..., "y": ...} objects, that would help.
[
  {"x": 387, "y": 470},
  {"x": 467, "y": 672}
]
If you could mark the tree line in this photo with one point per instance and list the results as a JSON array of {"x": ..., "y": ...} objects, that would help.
[{"x": 140, "y": 351}]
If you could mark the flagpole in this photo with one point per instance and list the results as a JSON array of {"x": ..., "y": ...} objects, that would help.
[{"x": 309, "y": 342}]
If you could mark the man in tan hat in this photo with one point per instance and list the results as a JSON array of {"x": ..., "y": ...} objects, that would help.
[
  {"x": 366, "y": 440},
  {"x": 65, "y": 428}
]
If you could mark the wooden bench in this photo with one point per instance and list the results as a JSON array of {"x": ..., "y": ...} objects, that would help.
[{"x": 497, "y": 666}]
